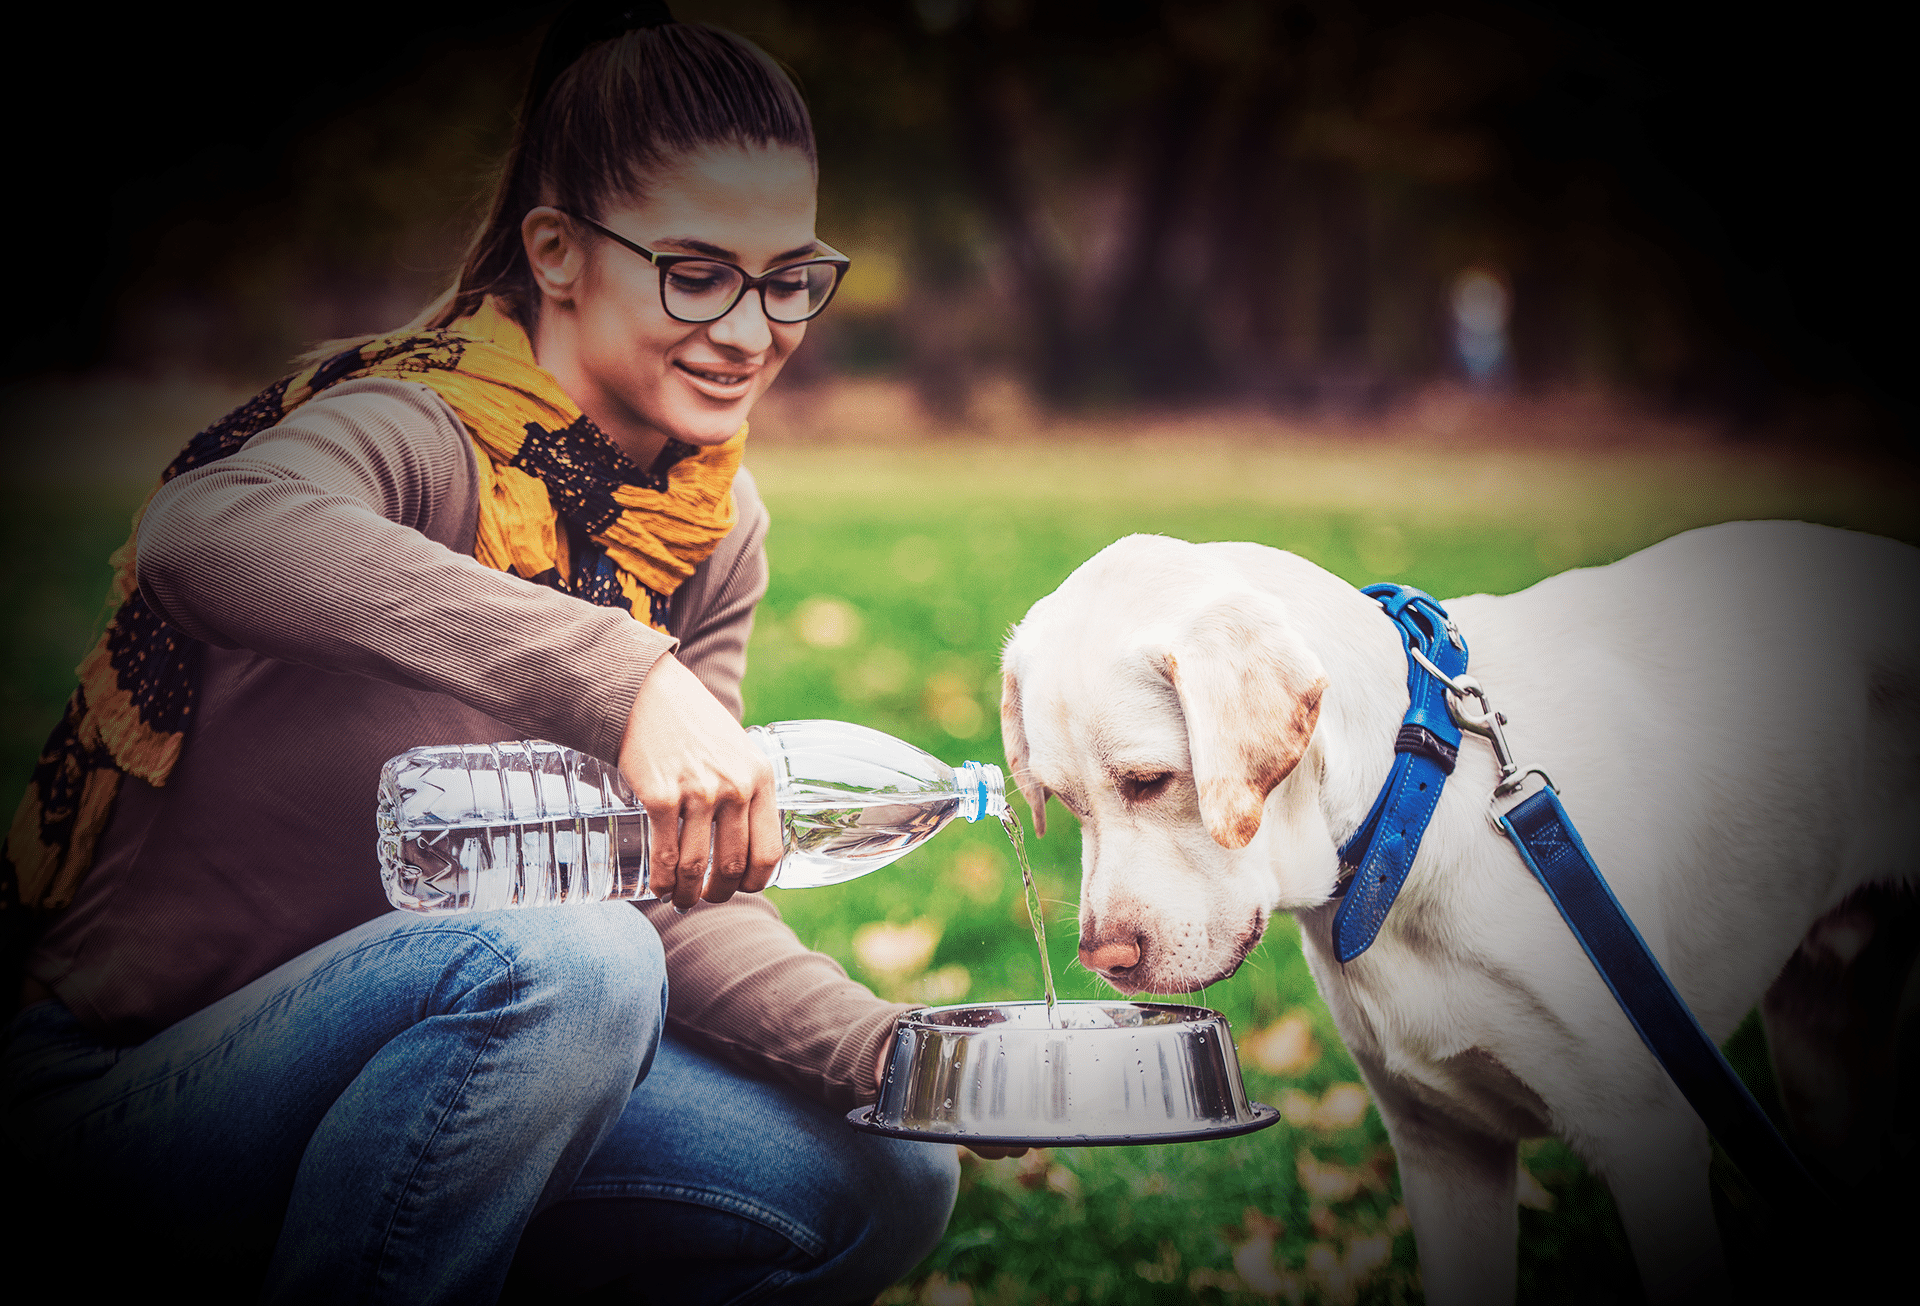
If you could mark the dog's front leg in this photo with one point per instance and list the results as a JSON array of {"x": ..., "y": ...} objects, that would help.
[{"x": 1458, "y": 1183}]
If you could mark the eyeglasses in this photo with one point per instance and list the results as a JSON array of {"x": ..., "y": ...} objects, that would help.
[{"x": 694, "y": 288}]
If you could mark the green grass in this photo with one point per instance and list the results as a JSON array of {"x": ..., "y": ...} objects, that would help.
[{"x": 896, "y": 573}]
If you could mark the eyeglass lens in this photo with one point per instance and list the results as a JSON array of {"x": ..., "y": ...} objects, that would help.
[{"x": 698, "y": 291}]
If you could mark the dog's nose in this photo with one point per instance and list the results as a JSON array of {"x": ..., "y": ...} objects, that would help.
[{"x": 1110, "y": 957}]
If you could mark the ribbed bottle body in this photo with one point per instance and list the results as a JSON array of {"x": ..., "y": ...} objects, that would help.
[{"x": 477, "y": 827}]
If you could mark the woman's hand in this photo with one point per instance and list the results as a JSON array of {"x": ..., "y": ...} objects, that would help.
[{"x": 706, "y": 789}]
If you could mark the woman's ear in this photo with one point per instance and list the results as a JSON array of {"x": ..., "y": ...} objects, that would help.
[{"x": 554, "y": 252}]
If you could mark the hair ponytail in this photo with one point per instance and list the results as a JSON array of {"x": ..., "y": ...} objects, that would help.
[{"x": 597, "y": 125}]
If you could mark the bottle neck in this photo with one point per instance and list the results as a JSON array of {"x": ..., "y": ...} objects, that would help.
[{"x": 983, "y": 790}]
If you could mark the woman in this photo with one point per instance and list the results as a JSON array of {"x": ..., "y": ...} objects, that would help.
[{"x": 524, "y": 517}]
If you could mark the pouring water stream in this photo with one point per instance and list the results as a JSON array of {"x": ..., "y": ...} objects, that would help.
[{"x": 1011, "y": 824}]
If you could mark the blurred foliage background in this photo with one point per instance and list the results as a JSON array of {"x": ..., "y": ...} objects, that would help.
[
  {"x": 1588, "y": 275},
  {"x": 1303, "y": 206}
]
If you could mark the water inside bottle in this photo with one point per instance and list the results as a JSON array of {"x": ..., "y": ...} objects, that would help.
[
  {"x": 833, "y": 840},
  {"x": 520, "y": 824},
  {"x": 1011, "y": 824},
  {"x": 483, "y": 866}
]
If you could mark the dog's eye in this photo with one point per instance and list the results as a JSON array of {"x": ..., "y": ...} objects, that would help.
[{"x": 1142, "y": 788}]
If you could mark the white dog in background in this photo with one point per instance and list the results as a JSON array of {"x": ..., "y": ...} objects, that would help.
[{"x": 1731, "y": 717}]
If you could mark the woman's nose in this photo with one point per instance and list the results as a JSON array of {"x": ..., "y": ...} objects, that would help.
[{"x": 745, "y": 327}]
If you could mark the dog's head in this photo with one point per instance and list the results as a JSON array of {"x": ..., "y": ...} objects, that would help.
[{"x": 1171, "y": 705}]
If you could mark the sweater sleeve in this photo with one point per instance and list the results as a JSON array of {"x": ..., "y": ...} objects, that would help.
[
  {"x": 712, "y": 613},
  {"x": 744, "y": 988},
  {"x": 341, "y": 539}
]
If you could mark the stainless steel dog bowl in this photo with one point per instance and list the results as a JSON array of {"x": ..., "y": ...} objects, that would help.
[{"x": 1101, "y": 1074}]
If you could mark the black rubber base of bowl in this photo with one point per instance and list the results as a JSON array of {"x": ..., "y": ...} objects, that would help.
[{"x": 861, "y": 1118}]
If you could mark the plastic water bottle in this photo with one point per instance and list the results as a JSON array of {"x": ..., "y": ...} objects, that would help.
[{"x": 472, "y": 827}]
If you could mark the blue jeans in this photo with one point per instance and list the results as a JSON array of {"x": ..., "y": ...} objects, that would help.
[{"x": 413, "y": 1110}]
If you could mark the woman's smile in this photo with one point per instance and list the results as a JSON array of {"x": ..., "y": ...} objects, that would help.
[{"x": 728, "y": 383}]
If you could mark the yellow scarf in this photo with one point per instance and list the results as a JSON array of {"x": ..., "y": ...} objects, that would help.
[{"x": 544, "y": 468}]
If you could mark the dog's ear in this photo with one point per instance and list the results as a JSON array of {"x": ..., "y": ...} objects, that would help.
[
  {"x": 1013, "y": 738},
  {"x": 1250, "y": 691}
]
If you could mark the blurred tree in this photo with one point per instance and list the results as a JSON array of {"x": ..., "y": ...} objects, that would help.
[
  {"x": 1213, "y": 201},
  {"x": 1225, "y": 200}
]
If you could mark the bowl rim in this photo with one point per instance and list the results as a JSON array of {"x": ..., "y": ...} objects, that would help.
[
  {"x": 861, "y": 1118},
  {"x": 923, "y": 1016}
]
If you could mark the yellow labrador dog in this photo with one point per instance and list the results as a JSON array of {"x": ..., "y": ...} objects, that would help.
[{"x": 1731, "y": 717}]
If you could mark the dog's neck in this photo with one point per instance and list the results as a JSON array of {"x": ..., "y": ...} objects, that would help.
[
  {"x": 1366, "y": 700},
  {"x": 1365, "y": 703},
  {"x": 1323, "y": 802}
]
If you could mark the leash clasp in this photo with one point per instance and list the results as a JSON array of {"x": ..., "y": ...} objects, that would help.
[{"x": 1485, "y": 722}]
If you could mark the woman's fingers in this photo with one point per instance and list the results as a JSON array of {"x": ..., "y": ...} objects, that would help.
[
  {"x": 696, "y": 848},
  {"x": 746, "y": 833},
  {"x": 663, "y": 844},
  {"x": 709, "y": 793},
  {"x": 730, "y": 839},
  {"x": 767, "y": 846},
  {"x": 705, "y": 847}
]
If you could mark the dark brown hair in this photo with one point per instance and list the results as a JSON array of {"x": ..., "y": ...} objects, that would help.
[{"x": 621, "y": 112}]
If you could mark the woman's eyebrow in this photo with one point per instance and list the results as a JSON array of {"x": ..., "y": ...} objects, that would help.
[{"x": 692, "y": 246}]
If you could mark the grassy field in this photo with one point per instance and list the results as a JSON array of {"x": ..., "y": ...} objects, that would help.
[
  {"x": 892, "y": 589},
  {"x": 897, "y": 571}
]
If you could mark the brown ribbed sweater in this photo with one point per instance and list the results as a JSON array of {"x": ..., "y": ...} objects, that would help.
[{"x": 328, "y": 569}]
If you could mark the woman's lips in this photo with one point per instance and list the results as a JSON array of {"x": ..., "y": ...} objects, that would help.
[{"x": 718, "y": 381}]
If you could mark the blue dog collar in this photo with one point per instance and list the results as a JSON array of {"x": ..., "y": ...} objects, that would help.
[{"x": 1375, "y": 862}]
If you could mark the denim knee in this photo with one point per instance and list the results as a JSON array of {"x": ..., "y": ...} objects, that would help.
[
  {"x": 908, "y": 1190},
  {"x": 600, "y": 968}
]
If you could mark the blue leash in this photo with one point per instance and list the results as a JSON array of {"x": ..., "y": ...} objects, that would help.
[
  {"x": 1554, "y": 852},
  {"x": 1377, "y": 858}
]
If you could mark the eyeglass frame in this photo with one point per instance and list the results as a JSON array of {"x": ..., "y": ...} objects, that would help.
[{"x": 666, "y": 262}]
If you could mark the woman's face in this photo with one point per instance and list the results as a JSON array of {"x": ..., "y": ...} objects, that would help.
[{"x": 643, "y": 376}]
